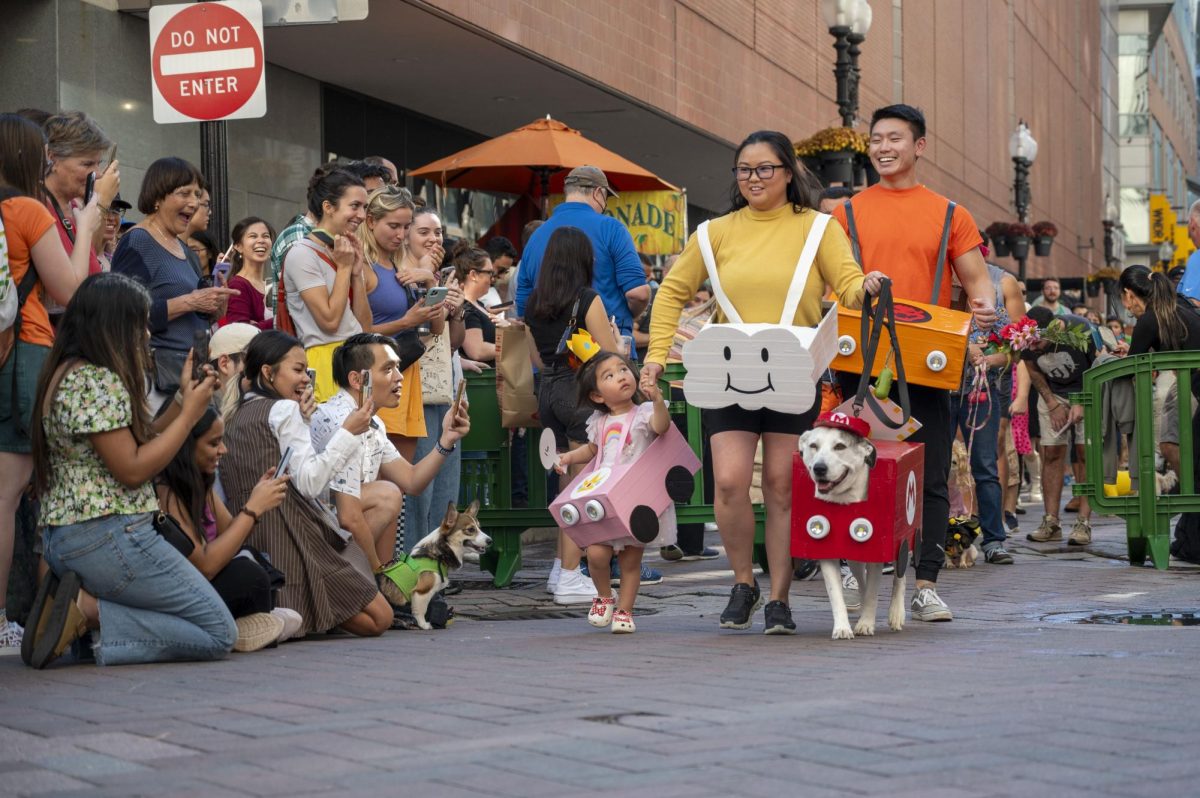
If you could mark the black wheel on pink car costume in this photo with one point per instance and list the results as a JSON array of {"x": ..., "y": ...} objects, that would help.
[
  {"x": 643, "y": 523},
  {"x": 902, "y": 559},
  {"x": 679, "y": 484}
]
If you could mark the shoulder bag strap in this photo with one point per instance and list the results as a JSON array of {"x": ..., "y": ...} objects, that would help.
[
  {"x": 884, "y": 314},
  {"x": 803, "y": 267},
  {"x": 853, "y": 228},
  {"x": 710, "y": 263},
  {"x": 941, "y": 257}
]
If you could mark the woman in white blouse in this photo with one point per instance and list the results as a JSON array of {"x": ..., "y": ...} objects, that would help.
[{"x": 300, "y": 536}]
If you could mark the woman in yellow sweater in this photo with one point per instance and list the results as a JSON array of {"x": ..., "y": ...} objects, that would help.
[{"x": 756, "y": 246}]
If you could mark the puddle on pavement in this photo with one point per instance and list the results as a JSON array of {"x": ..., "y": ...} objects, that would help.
[{"x": 1166, "y": 618}]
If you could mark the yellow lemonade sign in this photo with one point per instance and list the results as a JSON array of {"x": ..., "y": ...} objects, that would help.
[{"x": 657, "y": 220}]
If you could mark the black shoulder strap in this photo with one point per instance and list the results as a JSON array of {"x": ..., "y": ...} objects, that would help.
[
  {"x": 940, "y": 267},
  {"x": 874, "y": 321},
  {"x": 853, "y": 228}
]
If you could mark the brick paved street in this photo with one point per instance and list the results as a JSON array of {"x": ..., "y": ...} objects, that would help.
[{"x": 1012, "y": 698}]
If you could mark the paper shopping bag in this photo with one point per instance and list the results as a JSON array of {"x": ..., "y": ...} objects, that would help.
[{"x": 514, "y": 378}]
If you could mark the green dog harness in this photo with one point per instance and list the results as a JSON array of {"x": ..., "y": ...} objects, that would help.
[{"x": 405, "y": 570}]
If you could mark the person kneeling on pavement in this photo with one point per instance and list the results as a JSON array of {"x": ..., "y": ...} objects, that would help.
[
  {"x": 367, "y": 491},
  {"x": 218, "y": 539}
]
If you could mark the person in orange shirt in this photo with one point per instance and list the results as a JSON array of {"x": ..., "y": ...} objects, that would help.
[
  {"x": 30, "y": 241},
  {"x": 898, "y": 226}
]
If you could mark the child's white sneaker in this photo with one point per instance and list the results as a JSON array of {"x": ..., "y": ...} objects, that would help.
[
  {"x": 622, "y": 623},
  {"x": 601, "y": 613}
]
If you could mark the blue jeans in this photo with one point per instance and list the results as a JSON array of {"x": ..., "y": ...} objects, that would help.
[
  {"x": 423, "y": 512},
  {"x": 154, "y": 605},
  {"x": 984, "y": 450}
]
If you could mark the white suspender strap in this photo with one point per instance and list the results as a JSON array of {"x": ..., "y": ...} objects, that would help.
[
  {"x": 710, "y": 263},
  {"x": 803, "y": 267},
  {"x": 799, "y": 277}
]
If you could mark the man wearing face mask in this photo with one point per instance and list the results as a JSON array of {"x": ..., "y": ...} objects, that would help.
[{"x": 619, "y": 278}]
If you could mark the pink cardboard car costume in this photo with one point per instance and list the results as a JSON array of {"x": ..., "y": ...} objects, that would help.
[{"x": 624, "y": 501}]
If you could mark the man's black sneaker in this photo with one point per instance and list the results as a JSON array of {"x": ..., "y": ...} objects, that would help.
[
  {"x": 743, "y": 601},
  {"x": 778, "y": 618}
]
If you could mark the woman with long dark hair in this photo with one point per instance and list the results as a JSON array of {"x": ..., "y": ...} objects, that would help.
[
  {"x": 756, "y": 246},
  {"x": 185, "y": 492},
  {"x": 42, "y": 271},
  {"x": 95, "y": 456},
  {"x": 252, "y": 239},
  {"x": 301, "y": 540},
  {"x": 1166, "y": 322},
  {"x": 564, "y": 292}
]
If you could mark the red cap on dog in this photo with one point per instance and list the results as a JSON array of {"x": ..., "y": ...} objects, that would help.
[{"x": 842, "y": 421}]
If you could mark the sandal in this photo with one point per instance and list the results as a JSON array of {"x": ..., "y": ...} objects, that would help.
[
  {"x": 65, "y": 625},
  {"x": 38, "y": 615}
]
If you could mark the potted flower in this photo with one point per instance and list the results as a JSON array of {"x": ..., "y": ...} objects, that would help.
[
  {"x": 1043, "y": 238},
  {"x": 998, "y": 233},
  {"x": 1018, "y": 238},
  {"x": 833, "y": 153}
]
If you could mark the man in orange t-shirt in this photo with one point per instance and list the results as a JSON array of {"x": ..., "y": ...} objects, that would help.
[{"x": 898, "y": 227}]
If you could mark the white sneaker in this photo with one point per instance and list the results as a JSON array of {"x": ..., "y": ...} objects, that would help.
[
  {"x": 574, "y": 588},
  {"x": 928, "y": 606},
  {"x": 11, "y": 634},
  {"x": 552, "y": 580},
  {"x": 257, "y": 631},
  {"x": 292, "y": 621},
  {"x": 850, "y": 592}
]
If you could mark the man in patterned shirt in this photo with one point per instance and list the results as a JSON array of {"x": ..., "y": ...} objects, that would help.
[{"x": 367, "y": 493}]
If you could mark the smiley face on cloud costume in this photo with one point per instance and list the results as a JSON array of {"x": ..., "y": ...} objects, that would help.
[{"x": 755, "y": 366}]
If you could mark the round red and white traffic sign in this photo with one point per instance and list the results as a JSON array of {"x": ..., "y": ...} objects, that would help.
[{"x": 207, "y": 61}]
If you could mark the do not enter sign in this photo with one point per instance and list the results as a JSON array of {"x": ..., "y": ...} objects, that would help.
[{"x": 207, "y": 61}]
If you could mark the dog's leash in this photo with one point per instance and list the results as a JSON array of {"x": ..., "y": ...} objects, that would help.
[
  {"x": 976, "y": 396},
  {"x": 874, "y": 320}
]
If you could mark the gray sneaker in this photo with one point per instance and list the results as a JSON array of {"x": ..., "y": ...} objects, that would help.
[
  {"x": 1049, "y": 530},
  {"x": 850, "y": 592},
  {"x": 997, "y": 556},
  {"x": 928, "y": 606}
]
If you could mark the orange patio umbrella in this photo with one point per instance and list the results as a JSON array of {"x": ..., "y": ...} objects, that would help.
[{"x": 534, "y": 159}]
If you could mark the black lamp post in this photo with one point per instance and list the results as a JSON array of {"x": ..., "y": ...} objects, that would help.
[
  {"x": 848, "y": 22},
  {"x": 1023, "y": 149}
]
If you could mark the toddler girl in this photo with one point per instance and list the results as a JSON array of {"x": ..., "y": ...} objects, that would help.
[{"x": 622, "y": 427}]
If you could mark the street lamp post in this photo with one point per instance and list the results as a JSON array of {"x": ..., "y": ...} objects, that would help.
[
  {"x": 848, "y": 22},
  {"x": 1022, "y": 148}
]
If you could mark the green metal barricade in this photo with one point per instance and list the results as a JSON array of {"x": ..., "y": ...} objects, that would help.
[
  {"x": 1147, "y": 515},
  {"x": 487, "y": 476}
]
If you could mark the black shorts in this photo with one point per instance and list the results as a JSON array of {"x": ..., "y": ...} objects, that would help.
[
  {"x": 735, "y": 418},
  {"x": 558, "y": 407}
]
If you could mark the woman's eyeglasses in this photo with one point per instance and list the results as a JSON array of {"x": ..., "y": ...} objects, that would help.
[{"x": 764, "y": 171}]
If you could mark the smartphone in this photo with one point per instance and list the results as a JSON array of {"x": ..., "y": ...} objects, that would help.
[
  {"x": 199, "y": 354},
  {"x": 436, "y": 294},
  {"x": 501, "y": 306},
  {"x": 281, "y": 469},
  {"x": 89, "y": 188},
  {"x": 458, "y": 397},
  {"x": 366, "y": 386},
  {"x": 312, "y": 376}
]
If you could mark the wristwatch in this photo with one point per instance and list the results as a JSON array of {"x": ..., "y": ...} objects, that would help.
[{"x": 443, "y": 451}]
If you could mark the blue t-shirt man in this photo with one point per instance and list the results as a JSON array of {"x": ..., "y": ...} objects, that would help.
[
  {"x": 1189, "y": 286},
  {"x": 617, "y": 268}
]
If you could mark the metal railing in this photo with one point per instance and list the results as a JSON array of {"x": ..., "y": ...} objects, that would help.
[{"x": 1147, "y": 515}]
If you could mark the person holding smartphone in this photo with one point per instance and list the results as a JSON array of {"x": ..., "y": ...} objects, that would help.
[
  {"x": 368, "y": 490},
  {"x": 474, "y": 271},
  {"x": 397, "y": 311},
  {"x": 301, "y": 537}
]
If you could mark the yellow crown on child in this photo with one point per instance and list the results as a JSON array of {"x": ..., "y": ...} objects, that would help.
[{"x": 583, "y": 346}]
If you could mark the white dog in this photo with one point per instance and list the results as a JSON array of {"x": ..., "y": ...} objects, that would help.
[{"x": 839, "y": 462}]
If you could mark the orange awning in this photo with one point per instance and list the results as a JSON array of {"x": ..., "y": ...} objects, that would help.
[{"x": 534, "y": 159}]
